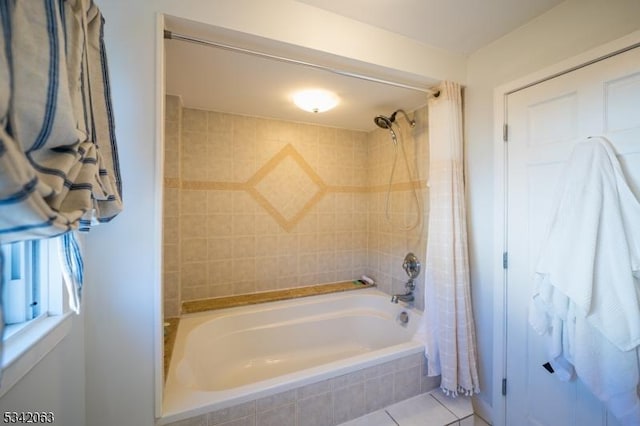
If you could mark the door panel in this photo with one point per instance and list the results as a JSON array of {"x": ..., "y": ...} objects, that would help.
[{"x": 545, "y": 122}]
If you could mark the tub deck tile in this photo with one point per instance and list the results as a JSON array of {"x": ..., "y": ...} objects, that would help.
[
  {"x": 202, "y": 305},
  {"x": 170, "y": 332}
]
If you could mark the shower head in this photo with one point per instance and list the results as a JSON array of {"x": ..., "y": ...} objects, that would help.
[
  {"x": 383, "y": 122},
  {"x": 387, "y": 122}
]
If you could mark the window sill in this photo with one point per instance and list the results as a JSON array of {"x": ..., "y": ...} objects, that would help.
[{"x": 22, "y": 352}]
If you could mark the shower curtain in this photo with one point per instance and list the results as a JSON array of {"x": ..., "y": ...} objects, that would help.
[{"x": 448, "y": 329}]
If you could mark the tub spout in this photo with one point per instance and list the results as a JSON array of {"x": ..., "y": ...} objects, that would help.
[{"x": 408, "y": 297}]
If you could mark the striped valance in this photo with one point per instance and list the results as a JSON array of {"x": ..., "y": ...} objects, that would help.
[{"x": 58, "y": 157}]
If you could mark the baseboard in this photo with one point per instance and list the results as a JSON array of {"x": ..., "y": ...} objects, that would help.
[{"x": 482, "y": 409}]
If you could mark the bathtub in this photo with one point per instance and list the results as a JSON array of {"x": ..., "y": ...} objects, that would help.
[{"x": 230, "y": 356}]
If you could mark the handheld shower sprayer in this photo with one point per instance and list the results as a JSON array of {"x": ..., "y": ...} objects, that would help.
[{"x": 387, "y": 123}]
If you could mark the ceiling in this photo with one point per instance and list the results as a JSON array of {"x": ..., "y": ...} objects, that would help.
[
  {"x": 223, "y": 80},
  {"x": 459, "y": 26}
]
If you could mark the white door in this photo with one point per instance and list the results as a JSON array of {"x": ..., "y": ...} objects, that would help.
[{"x": 544, "y": 123}]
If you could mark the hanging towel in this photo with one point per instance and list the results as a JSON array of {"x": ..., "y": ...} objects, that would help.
[
  {"x": 447, "y": 328},
  {"x": 587, "y": 280}
]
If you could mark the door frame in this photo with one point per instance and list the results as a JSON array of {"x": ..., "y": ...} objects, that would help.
[{"x": 500, "y": 193}]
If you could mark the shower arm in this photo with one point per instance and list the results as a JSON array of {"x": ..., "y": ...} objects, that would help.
[{"x": 412, "y": 123}]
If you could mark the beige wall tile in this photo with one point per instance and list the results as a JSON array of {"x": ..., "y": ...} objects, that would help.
[
  {"x": 308, "y": 224},
  {"x": 219, "y": 146},
  {"x": 220, "y": 122},
  {"x": 171, "y": 230},
  {"x": 287, "y": 266},
  {"x": 194, "y": 120},
  {"x": 171, "y": 283},
  {"x": 244, "y": 287},
  {"x": 219, "y": 290},
  {"x": 244, "y": 225},
  {"x": 244, "y": 269},
  {"x": 191, "y": 293},
  {"x": 267, "y": 269},
  {"x": 172, "y": 165},
  {"x": 220, "y": 272},
  {"x": 219, "y": 248},
  {"x": 243, "y": 246},
  {"x": 171, "y": 257},
  {"x": 341, "y": 236},
  {"x": 171, "y": 308},
  {"x": 192, "y": 226},
  {"x": 194, "y": 274},
  {"x": 267, "y": 225},
  {"x": 308, "y": 243},
  {"x": 192, "y": 203},
  {"x": 243, "y": 203},
  {"x": 193, "y": 250},
  {"x": 218, "y": 201},
  {"x": 171, "y": 135},
  {"x": 171, "y": 207},
  {"x": 218, "y": 225}
]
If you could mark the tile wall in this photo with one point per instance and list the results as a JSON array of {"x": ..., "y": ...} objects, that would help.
[
  {"x": 254, "y": 204},
  {"x": 329, "y": 402},
  {"x": 404, "y": 229},
  {"x": 171, "y": 277}
]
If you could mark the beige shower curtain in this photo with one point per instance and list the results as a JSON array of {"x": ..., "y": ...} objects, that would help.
[{"x": 448, "y": 329}]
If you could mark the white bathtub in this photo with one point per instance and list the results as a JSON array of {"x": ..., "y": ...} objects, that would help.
[{"x": 230, "y": 356}]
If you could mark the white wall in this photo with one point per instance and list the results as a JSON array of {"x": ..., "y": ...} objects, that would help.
[
  {"x": 571, "y": 28},
  {"x": 55, "y": 384}
]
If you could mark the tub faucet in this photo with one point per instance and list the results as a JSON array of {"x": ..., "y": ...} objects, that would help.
[
  {"x": 406, "y": 297},
  {"x": 411, "y": 266}
]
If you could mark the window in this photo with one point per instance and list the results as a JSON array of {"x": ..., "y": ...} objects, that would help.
[
  {"x": 30, "y": 274},
  {"x": 32, "y": 303},
  {"x": 21, "y": 294}
]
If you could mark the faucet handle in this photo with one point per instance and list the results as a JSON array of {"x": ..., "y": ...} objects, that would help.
[{"x": 411, "y": 266}]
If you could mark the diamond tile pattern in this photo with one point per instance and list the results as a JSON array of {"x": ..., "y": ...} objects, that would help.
[{"x": 287, "y": 187}]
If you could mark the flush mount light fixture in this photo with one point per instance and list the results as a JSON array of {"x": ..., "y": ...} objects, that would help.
[{"x": 315, "y": 100}]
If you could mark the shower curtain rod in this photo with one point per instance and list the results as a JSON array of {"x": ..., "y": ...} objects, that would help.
[{"x": 175, "y": 36}]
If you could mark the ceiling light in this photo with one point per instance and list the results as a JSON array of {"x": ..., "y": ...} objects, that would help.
[{"x": 315, "y": 100}]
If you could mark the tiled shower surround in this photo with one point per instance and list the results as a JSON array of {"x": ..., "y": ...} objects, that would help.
[{"x": 254, "y": 204}]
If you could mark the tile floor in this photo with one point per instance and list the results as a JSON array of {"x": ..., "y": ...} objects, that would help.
[{"x": 428, "y": 409}]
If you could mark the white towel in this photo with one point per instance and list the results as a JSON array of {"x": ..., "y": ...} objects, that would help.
[{"x": 586, "y": 297}]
